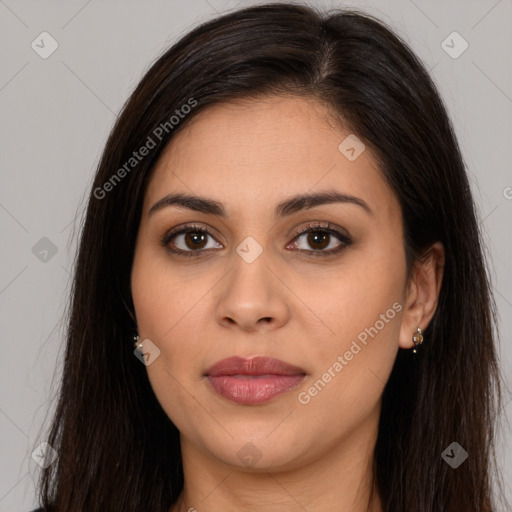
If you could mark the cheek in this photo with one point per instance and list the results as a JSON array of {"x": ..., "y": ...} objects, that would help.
[
  {"x": 353, "y": 366},
  {"x": 167, "y": 318},
  {"x": 172, "y": 311},
  {"x": 352, "y": 300},
  {"x": 164, "y": 298},
  {"x": 362, "y": 307}
]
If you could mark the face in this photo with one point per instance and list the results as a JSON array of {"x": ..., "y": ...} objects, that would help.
[{"x": 318, "y": 286}]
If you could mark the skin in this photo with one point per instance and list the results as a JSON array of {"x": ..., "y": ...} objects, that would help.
[{"x": 249, "y": 156}]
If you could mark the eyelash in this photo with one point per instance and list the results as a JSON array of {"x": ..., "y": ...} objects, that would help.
[{"x": 345, "y": 239}]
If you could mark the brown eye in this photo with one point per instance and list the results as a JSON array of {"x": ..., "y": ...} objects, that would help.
[
  {"x": 317, "y": 238},
  {"x": 195, "y": 240},
  {"x": 190, "y": 241}
]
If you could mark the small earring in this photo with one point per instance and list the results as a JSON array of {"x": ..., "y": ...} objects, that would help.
[
  {"x": 136, "y": 343},
  {"x": 417, "y": 339}
]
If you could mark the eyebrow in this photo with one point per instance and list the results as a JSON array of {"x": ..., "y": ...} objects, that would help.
[{"x": 283, "y": 209}]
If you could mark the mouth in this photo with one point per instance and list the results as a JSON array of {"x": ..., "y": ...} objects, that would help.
[{"x": 253, "y": 381}]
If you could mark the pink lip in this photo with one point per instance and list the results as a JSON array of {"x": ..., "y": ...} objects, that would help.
[{"x": 255, "y": 380}]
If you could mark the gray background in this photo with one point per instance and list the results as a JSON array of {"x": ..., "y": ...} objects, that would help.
[{"x": 56, "y": 114}]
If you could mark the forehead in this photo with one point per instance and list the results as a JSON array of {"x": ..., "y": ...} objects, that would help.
[{"x": 253, "y": 153}]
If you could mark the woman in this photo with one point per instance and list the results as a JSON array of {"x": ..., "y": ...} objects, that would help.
[{"x": 280, "y": 298}]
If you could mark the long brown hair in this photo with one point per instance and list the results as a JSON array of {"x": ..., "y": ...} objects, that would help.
[{"x": 117, "y": 448}]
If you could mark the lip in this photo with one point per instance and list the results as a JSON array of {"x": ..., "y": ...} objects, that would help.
[{"x": 254, "y": 380}]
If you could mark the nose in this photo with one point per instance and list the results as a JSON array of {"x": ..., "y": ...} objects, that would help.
[{"x": 252, "y": 298}]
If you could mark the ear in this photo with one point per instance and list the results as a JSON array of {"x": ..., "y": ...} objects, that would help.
[{"x": 422, "y": 293}]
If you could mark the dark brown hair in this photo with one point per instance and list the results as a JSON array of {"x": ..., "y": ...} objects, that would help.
[{"x": 117, "y": 448}]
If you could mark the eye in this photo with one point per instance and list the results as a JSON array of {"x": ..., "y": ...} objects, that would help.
[
  {"x": 189, "y": 241},
  {"x": 320, "y": 237}
]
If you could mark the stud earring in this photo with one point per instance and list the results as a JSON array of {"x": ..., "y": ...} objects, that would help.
[
  {"x": 417, "y": 339},
  {"x": 136, "y": 343}
]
